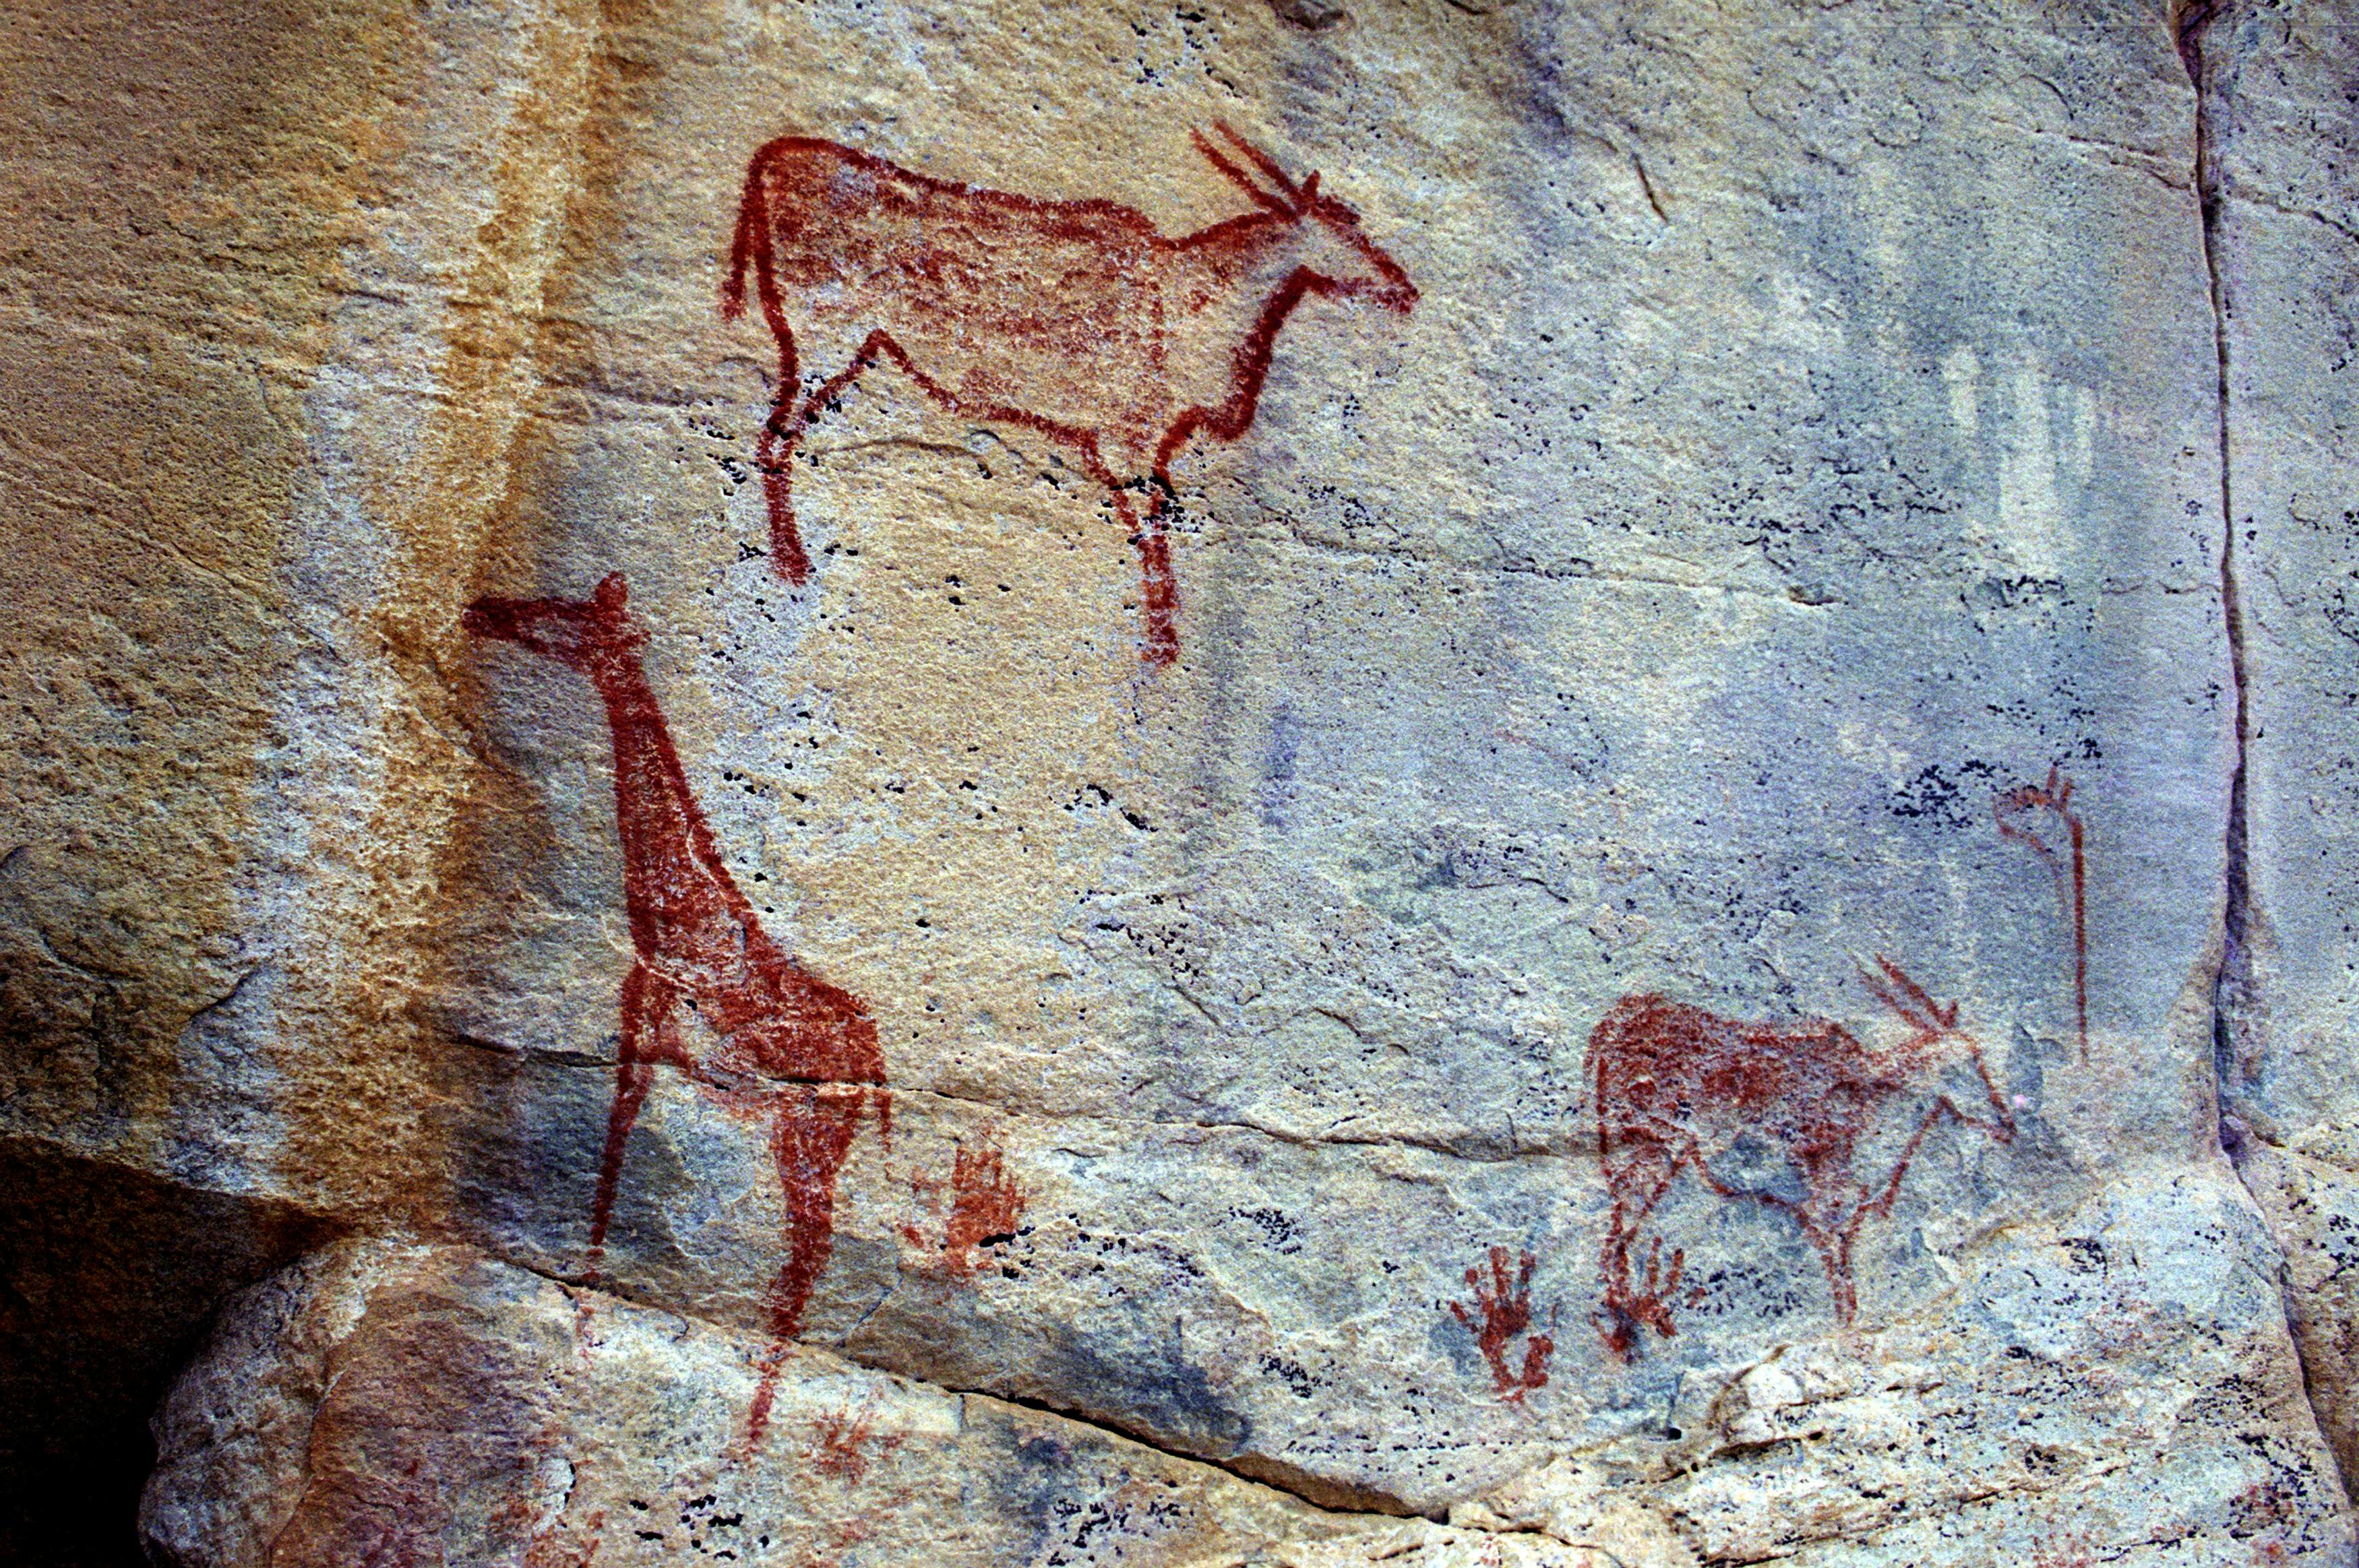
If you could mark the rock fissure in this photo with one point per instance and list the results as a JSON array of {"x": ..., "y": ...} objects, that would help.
[
  {"x": 1577, "y": 1143},
  {"x": 2232, "y": 989},
  {"x": 2308, "y": 214},
  {"x": 2230, "y": 982},
  {"x": 1327, "y": 1497}
]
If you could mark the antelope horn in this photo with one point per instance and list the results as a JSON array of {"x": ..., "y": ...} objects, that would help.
[
  {"x": 1270, "y": 168},
  {"x": 1237, "y": 176},
  {"x": 1905, "y": 997}
]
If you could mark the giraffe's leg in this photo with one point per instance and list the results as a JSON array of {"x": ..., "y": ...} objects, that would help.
[
  {"x": 647, "y": 1005},
  {"x": 812, "y": 1136},
  {"x": 808, "y": 1141}
]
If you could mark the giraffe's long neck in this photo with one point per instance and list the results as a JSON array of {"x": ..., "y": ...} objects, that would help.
[{"x": 687, "y": 916}]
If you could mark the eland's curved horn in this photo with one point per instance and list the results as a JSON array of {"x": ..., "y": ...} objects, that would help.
[
  {"x": 1238, "y": 177},
  {"x": 1270, "y": 168}
]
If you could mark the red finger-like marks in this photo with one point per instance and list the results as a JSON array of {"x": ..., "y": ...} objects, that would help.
[{"x": 1502, "y": 1313}]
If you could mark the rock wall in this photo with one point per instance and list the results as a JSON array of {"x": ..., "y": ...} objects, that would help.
[
  {"x": 2281, "y": 204},
  {"x": 917, "y": 812}
]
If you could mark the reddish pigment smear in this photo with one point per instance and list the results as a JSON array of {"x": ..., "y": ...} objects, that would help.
[
  {"x": 840, "y": 1444},
  {"x": 1075, "y": 320},
  {"x": 986, "y": 1206},
  {"x": 1505, "y": 1307},
  {"x": 2017, "y": 813},
  {"x": 1677, "y": 1086},
  {"x": 793, "y": 1050}
]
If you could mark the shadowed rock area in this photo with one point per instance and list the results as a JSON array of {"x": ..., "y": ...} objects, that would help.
[{"x": 111, "y": 1277}]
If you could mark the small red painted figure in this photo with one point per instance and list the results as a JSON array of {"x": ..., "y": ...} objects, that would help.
[
  {"x": 788, "y": 1048},
  {"x": 1506, "y": 1309},
  {"x": 986, "y": 1206},
  {"x": 1678, "y": 1086},
  {"x": 1072, "y": 319},
  {"x": 2017, "y": 811},
  {"x": 840, "y": 1444}
]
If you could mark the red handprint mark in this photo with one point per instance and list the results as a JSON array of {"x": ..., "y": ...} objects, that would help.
[
  {"x": 1629, "y": 1307},
  {"x": 1505, "y": 1307},
  {"x": 840, "y": 1444},
  {"x": 985, "y": 1204}
]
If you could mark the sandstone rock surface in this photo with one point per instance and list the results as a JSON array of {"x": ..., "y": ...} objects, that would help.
[
  {"x": 1003, "y": 836},
  {"x": 2283, "y": 208},
  {"x": 426, "y": 1403}
]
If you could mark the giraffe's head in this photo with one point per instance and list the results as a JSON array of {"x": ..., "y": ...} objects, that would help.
[{"x": 571, "y": 632}]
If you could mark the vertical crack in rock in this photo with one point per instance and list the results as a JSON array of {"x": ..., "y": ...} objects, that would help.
[{"x": 2230, "y": 984}]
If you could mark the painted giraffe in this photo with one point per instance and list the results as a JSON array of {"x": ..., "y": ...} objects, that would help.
[{"x": 789, "y": 1047}]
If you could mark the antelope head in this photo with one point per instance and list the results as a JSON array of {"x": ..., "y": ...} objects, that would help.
[
  {"x": 1934, "y": 1036},
  {"x": 573, "y": 632},
  {"x": 1341, "y": 261},
  {"x": 1934, "y": 1040}
]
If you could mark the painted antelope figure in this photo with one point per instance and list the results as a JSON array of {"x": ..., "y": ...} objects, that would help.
[
  {"x": 1676, "y": 1088},
  {"x": 784, "y": 1046},
  {"x": 1073, "y": 319}
]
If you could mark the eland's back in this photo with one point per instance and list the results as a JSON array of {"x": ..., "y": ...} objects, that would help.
[{"x": 1051, "y": 309}]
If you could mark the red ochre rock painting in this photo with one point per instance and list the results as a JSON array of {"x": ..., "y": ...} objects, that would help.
[
  {"x": 984, "y": 1207},
  {"x": 1075, "y": 320},
  {"x": 2018, "y": 812},
  {"x": 794, "y": 1051},
  {"x": 839, "y": 1446},
  {"x": 554, "y": 1546},
  {"x": 1677, "y": 1086},
  {"x": 1505, "y": 1309}
]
